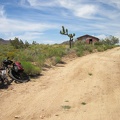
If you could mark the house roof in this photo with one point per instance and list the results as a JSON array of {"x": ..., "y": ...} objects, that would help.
[{"x": 87, "y": 36}]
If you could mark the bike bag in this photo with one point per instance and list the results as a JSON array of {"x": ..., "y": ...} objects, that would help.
[
  {"x": 18, "y": 67},
  {"x": 7, "y": 62}
]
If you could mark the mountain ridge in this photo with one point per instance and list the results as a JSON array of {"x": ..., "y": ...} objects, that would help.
[{"x": 2, "y": 41}]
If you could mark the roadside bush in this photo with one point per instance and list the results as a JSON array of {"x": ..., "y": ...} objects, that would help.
[
  {"x": 30, "y": 68},
  {"x": 56, "y": 51},
  {"x": 80, "y": 53},
  {"x": 35, "y": 56},
  {"x": 1, "y": 59},
  {"x": 57, "y": 59},
  {"x": 40, "y": 60},
  {"x": 54, "y": 60},
  {"x": 89, "y": 48},
  {"x": 104, "y": 47},
  {"x": 81, "y": 48},
  {"x": 11, "y": 54},
  {"x": 100, "y": 48},
  {"x": 98, "y": 43}
]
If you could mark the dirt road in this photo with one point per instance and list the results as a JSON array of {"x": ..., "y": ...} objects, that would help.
[{"x": 86, "y": 88}]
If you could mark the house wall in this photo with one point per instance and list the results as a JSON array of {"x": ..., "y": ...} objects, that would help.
[
  {"x": 93, "y": 40},
  {"x": 87, "y": 39}
]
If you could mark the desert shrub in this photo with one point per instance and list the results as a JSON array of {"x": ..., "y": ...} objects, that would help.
[
  {"x": 54, "y": 60},
  {"x": 80, "y": 48},
  {"x": 111, "y": 40},
  {"x": 30, "y": 68},
  {"x": 27, "y": 58},
  {"x": 1, "y": 59},
  {"x": 67, "y": 50},
  {"x": 40, "y": 60},
  {"x": 98, "y": 43},
  {"x": 55, "y": 51},
  {"x": 104, "y": 47},
  {"x": 7, "y": 50},
  {"x": 109, "y": 46},
  {"x": 89, "y": 48},
  {"x": 35, "y": 56},
  {"x": 57, "y": 59},
  {"x": 11, "y": 54},
  {"x": 80, "y": 53},
  {"x": 39, "y": 53},
  {"x": 100, "y": 48}
]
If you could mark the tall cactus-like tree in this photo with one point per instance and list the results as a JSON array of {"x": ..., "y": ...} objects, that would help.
[{"x": 65, "y": 32}]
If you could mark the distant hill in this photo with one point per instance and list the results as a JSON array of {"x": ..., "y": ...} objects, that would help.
[
  {"x": 65, "y": 42},
  {"x": 2, "y": 41}
]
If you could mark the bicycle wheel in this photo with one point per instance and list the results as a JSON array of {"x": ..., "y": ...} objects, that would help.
[
  {"x": 5, "y": 80},
  {"x": 21, "y": 77}
]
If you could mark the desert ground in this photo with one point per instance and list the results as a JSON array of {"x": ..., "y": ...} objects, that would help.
[{"x": 84, "y": 88}]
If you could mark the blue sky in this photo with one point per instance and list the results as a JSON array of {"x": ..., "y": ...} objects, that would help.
[{"x": 41, "y": 20}]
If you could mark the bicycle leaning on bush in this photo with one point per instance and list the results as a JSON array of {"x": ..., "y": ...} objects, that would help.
[{"x": 14, "y": 70}]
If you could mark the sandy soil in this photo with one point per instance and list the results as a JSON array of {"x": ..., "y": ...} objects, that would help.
[{"x": 86, "y": 88}]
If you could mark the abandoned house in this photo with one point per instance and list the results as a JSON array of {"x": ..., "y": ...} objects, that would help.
[{"x": 88, "y": 39}]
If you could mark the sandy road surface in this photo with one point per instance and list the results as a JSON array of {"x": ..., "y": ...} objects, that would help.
[{"x": 86, "y": 88}]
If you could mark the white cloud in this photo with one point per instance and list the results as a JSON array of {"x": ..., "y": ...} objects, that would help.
[
  {"x": 39, "y": 37},
  {"x": 114, "y": 3},
  {"x": 86, "y": 11},
  {"x": 79, "y": 16},
  {"x": 24, "y": 3},
  {"x": 24, "y": 30},
  {"x": 2, "y": 12},
  {"x": 29, "y": 36},
  {"x": 67, "y": 3},
  {"x": 77, "y": 8},
  {"x": 9, "y": 25},
  {"x": 117, "y": 3},
  {"x": 38, "y": 3},
  {"x": 102, "y": 36}
]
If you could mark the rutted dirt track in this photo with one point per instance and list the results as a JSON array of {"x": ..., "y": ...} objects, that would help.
[{"x": 86, "y": 88}]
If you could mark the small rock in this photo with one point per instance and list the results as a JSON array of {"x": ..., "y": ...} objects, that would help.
[
  {"x": 17, "y": 117},
  {"x": 42, "y": 117}
]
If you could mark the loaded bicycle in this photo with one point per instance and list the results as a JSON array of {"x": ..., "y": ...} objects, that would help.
[{"x": 14, "y": 70}]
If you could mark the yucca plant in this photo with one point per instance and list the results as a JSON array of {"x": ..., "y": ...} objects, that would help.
[{"x": 65, "y": 32}]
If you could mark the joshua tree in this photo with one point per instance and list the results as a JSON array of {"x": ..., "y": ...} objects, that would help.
[{"x": 65, "y": 32}]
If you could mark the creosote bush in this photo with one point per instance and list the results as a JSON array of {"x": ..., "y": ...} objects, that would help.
[
  {"x": 34, "y": 56},
  {"x": 81, "y": 47},
  {"x": 30, "y": 68}
]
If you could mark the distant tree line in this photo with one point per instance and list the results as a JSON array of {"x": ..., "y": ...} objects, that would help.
[
  {"x": 19, "y": 43},
  {"x": 111, "y": 40}
]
